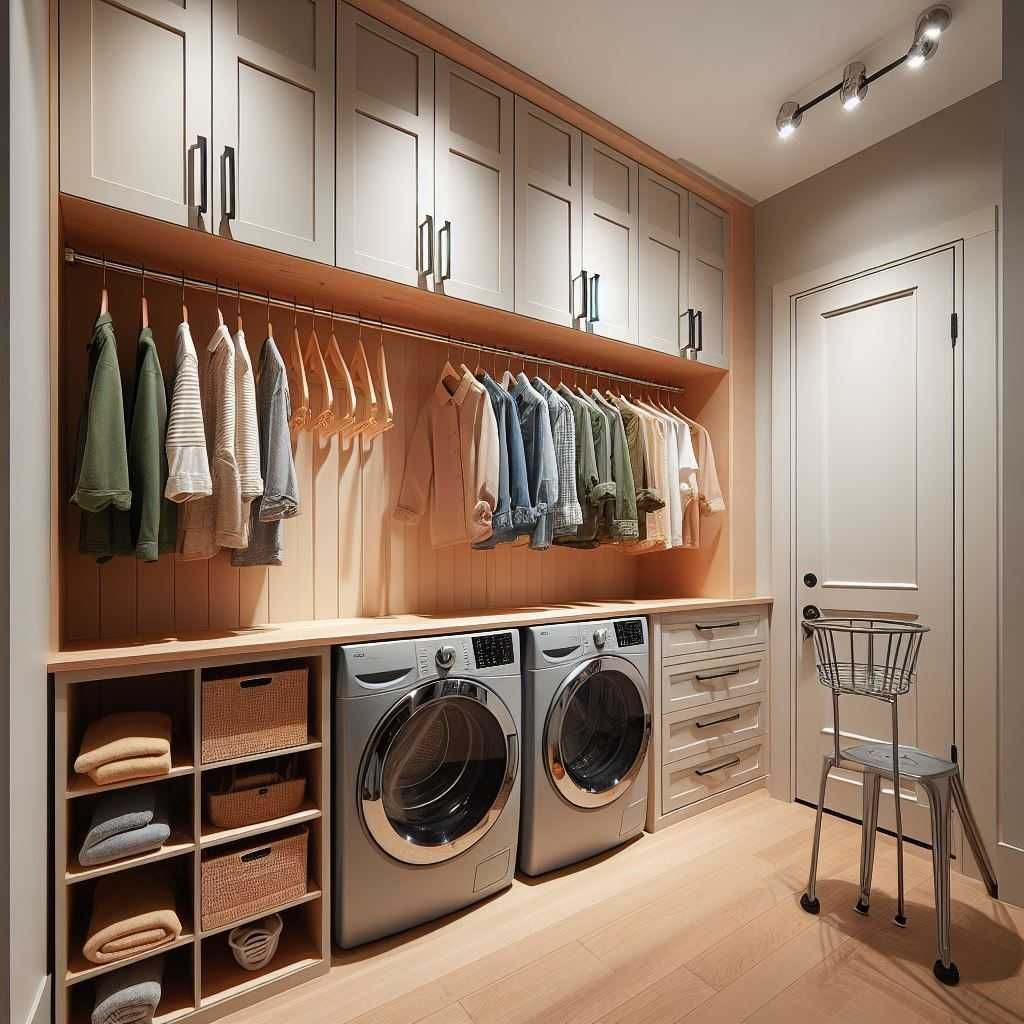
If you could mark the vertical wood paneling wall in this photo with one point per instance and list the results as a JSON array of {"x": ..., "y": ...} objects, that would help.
[{"x": 344, "y": 555}]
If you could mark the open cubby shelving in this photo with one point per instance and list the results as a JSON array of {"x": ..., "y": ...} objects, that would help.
[{"x": 201, "y": 979}]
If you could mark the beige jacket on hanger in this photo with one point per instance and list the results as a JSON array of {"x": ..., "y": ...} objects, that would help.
[
  {"x": 709, "y": 498},
  {"x": 452, "y": 463},
  {"x": 211, "y": 523}
]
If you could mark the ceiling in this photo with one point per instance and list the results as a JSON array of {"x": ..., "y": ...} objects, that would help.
[{"x": 702, "y": 80}]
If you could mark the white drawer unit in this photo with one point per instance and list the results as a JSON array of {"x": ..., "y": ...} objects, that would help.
[
  {"x": 687, "y": 734},
  {"x": 693, "y": 684},
  {"x": 699, "y": 633},
  {"x": 686, "y": 782}
]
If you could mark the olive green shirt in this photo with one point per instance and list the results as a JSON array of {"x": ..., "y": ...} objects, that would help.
[
  {"x": 648, "y": 498},
  {"x": 101, "y": 487},
  {"x": 154, "y": 518},
  {"x": 587, "y": 480},
  {"x": 621, "y": 519}
]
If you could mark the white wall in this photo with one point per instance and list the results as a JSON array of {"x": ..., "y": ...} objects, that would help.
[
  {"x": 1010, "y": 853},
  {"x": 27, "y": 361}
]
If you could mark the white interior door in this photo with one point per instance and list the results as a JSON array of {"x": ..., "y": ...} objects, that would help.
[
  {"x": 135, "y": 105},
  {"x": 708, "y": 264},
  {"x": 273, "y": 120},
  {"x": 385, "y": 151},
  {"x": 549, "y": 201},
  {"x": 474, "y": 174},
  {"x": 611, "y": 224},
  {"x": 664, "y": 263},
  {"x": 875, "y": 485}
]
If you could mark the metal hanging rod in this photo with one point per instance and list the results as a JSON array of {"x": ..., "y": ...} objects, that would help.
[{"x": 265, "y": 299}]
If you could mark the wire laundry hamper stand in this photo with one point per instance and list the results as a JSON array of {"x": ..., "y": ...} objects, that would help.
[{"x": 877, "y": 658}]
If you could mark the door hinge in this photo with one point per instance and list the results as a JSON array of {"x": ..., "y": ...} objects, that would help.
[
  {"x": 954, "y": 755},
  {"x": 954, "y": 327}
]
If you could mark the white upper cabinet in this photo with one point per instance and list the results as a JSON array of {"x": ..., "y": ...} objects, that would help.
[
  {"x": 385, "y": 151},
  {"x": 610, "y": 228},
  {"x": 708, "y": 265},
  {"x": 474, "y": 186},
  {"x": 273, "y": 124},
  {"x": 135, "y": 105},
  {"x": 549, "y": 215},
  {"x": 664, "y": 264}
]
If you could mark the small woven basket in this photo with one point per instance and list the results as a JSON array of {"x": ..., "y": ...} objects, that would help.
[
  {"x": 251, "y": 714},
  {"x": 255, "y": 804},
  {"x": 254, "y": 945},
  {"x": 252, "y": 878}
]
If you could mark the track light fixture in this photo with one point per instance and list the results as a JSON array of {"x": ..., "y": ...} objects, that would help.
[{"x": 854, "y": 86}]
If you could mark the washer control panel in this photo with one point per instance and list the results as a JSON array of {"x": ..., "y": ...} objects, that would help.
[
  {"x": 493, "y": 649},
  {"x": 629, "y": 632}
]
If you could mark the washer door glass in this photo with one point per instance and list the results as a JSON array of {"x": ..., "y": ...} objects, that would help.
[
  {"x": 440, "y": 771},
  {"x": 599, "y": 730}
]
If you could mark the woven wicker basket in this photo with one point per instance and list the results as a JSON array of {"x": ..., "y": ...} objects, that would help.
[
  {"x": 253, "y": 878},
  {"x": 252, "y": 714},
  {"x": 259, "y": 803}
]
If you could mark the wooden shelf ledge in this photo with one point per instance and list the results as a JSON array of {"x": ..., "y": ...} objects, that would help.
[
  {"x": 213, "y": 836},
  {"x": 312, "y": 893},
  {"x": 82, "y": 785},
  {"x": 179, "y": 842},
  {"x": 311, "y": 744},
  {"x": 80, "y": 969}
]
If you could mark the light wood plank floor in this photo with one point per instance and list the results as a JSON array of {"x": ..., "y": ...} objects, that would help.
[{"x": 699, "y": 923}]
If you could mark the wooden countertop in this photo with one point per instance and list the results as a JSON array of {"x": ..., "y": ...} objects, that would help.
[{"x": 275, "y": 638}]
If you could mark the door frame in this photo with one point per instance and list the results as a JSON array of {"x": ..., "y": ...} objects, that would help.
[{"x": 974, "y": 240}]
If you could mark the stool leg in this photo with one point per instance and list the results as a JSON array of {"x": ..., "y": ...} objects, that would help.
[
  {"x": 901, "y": 917},
  {"x": 809, "y": 900},
  {"x": 938, "y": 791},
  {"x": 872, "y": 785},
  {"x": 981, "y": 857}
]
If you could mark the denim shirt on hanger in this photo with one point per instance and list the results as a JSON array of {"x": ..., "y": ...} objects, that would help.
[{"x": 541, "y": 469}]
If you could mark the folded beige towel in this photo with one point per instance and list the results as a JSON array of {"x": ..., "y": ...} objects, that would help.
[
  {"x": 126, "y": 735},
  {"x": 130, "y": 768},
  {"x": 128, "y": 919}
]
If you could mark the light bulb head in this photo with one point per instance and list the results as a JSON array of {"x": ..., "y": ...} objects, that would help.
[
  {"x": 920, "y": 52},
  {"x": 933, "y": 23},
  {"x": 854, "y": 87},
  {"x": 788, "y": 119}
]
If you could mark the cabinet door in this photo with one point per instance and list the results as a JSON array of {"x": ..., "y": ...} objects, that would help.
[
  {"x": 549, "y": 214},
  {"x": 135, "y": 105},
  {"x": 385, "y": 151},
  {"x": 474, "y": 186},
  {"x": 708, "y": 266},
  {"x": 273, "y": 124},
  {"x": 664, "y": 264},
  {"x": 611, "y": 225}
]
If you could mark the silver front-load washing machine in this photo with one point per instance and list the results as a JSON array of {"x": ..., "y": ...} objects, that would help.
[
  {"x": 586, "y": 730},
  {"x": 426, "y": 779}
]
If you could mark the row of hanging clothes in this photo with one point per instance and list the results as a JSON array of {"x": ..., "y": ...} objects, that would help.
[
  {"x": 524, "y": 460},
  {"x": 209, "y": 465}
]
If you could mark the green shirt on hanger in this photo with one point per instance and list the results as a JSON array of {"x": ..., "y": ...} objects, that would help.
[
  {"x": 102, "y": 490},
  {"x": 154, "y": 518}
]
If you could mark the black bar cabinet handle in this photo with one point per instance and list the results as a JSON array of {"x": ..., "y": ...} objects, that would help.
[
  {"x": 204, "y": 198},
  {"x": 717, "y": 721},
  {"x": 700, "y": 330},
  {"x": 717, "y": 675},
  {"x": 426, "y": 265},
  {"x": 446, "y": 230},
  {"x": 717, "y": 625},
  {"x": 593, "y": 312},
  {"x": 732, "y": 762},
  {"x": 584, "y": 296},
  {"x": 229, "y": 173}
]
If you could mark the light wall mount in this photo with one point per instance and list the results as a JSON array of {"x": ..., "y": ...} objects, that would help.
[{"x": 854, "y": 86}]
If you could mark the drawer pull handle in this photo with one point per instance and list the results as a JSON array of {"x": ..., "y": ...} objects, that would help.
[
  {"x": 718, "y": 767},
  {"x": 255, "y": 855},
  {"x": 246, "y": 684},
  {"x": 717, "y": 675},
  {"x": 719, "y": 625},
  {"x": 717, "y": 721}
]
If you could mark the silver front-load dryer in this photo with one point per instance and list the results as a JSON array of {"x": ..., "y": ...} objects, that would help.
[
  {"x": 426, "y": 779},
  {"x": 586, "y": 731}
]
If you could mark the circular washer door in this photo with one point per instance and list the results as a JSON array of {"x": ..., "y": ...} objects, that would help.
[
  {"x": 597, "y": 732},
  {"x": 438, "y": 771}
]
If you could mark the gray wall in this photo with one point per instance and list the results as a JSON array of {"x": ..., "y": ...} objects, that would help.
[
  {"x": 1011, "y": 692},
  {"x": 26, "y": 481},
  {"x": 944, "y": 167}
]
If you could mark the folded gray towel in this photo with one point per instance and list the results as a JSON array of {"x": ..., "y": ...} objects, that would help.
[
  {"x": 125, "y": 822},
  {"x": 131, "y": 995}
]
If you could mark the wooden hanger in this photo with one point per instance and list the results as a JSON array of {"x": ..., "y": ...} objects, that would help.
[
  {"x": 104, "y": 297},
  {"x": 322, "y": 411},
  {"x": 145, "y": 302},
  {"x": 384, "y": 418},
  {"x": 366, "y": 395},
  {"x": 220, "y": 315},
  {"x": 239, "y": 323},
  {"x": 270, "y": 325},
  {"x": 341, "y": 384},
  {"x": 184, "y": 308},
  {"x": 298, "y": 385}
]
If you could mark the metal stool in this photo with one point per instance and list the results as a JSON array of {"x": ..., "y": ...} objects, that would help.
[{"x": 877, "y": 658}]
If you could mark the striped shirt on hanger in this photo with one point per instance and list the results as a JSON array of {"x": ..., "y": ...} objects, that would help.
[{"x": 187, "y": 461}]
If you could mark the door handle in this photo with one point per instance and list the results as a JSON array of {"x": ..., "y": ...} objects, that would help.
[
  {"x": 810, "y": 613},
  {"x": 718, "y": 675},
  {"x": 229, "y": 183},
  {"x": 204, "y": 199},
  {"x": 446, "y": 230},
  {"x": 425, "y": 265},
  {"x": 583, "y": 294},
  {"x": 705, "y": 627},
  {"x": 699, "y": 316},
  {"x": 691, "y": 337},
  {"x": 731, "y": 763},
  {"x": 593, "y": 315},
  {"x": 717, "y": 721}
]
